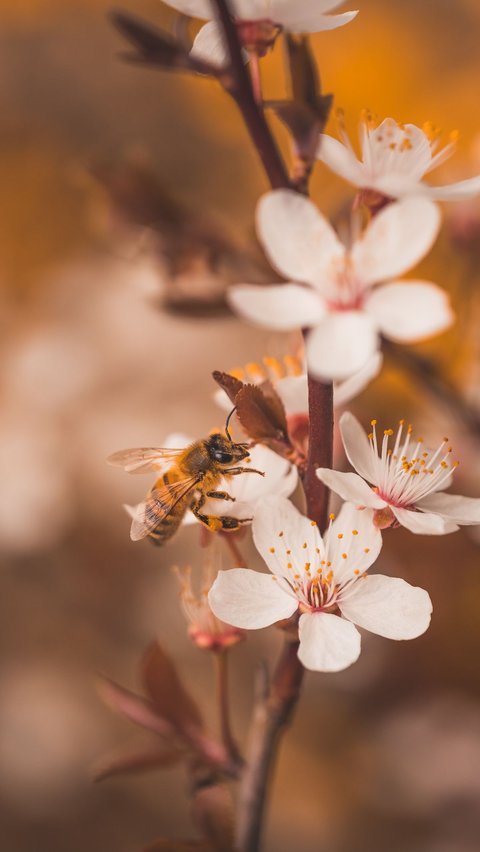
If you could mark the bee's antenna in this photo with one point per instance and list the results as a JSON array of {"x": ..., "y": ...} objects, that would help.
[{"x": 227, "y": 433}]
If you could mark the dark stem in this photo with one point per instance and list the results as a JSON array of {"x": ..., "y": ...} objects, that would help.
[
  {"x": 238, "y": 84},
  {"x": 221, "y": 666},
  {"x": 320, "y": 449},
  {"x": 272, "y": 714}
]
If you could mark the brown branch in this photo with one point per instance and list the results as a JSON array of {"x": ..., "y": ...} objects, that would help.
[
  {"x": 221, "y": 668},
  {"x": 238, "y": 84},
  {"x": 320, "y": 449}
]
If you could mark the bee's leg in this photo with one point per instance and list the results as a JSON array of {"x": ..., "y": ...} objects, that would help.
[
  {"x": 220, "y": 495},
  {"x": 213, "y": 522},
  {"x": 235, "y": 471}
]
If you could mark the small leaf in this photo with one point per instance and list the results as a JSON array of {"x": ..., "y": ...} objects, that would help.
[
  {"x": 229, "y": 384},
  {"x": 134, "y": 708},
  {"x": 262, "y": 415},
  {"x": 129, "y": 763},
  {"x": 155, "y": 47},
  {"x": 169, "y": 697}
]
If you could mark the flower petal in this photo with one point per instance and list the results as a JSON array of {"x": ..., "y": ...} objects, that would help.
[
  {"x": 328, "y": 643},
  {"x": 351, "y": 487},
  {"x": 209, "y": 45},
  {"x": 388, "y": 607},
  {"x": 193, "y": 8},
  {"x": 453, "y": 507},
  {"x": 293, "y": 391},
  {"x": 410, "y": 310},
  {"x": 282, "y": 307},
  {"x": 308, "y": 23},
  {"x": 396, "y": 239},
  {"x": 460, "y": 191},
  {"x": 349, "y": 388},
  {"x": 248, "y": 599},
  {"x": 297, "y": 239},
  {"x": 341, "y": 344},
  {"x": 352, "y": 533},
  {"x": 277, "y": 528},
  {"x": 341, "y": 160},
  {"x": 357, "y": 447},
  {"x": 423, "y": 523}
]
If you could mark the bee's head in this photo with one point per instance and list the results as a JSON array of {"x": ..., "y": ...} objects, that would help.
[{"x": 224, "y": 451}]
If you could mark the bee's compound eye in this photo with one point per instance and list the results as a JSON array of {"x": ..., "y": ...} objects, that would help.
[{"x": 223, "y": 458}]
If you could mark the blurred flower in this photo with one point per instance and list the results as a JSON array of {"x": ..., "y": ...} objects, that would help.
[
  {"x": 259, "y": 22},
  {"x": 289, "y": 379},
  {"x": 394, "y": 159},
  {"x": 280, "y": 477},
  {"x": 347, "y": 316},
  {"x": 406, "y": 481},
  {"x": 323, "y": 580},
  {"x": 205, "y": 629}
]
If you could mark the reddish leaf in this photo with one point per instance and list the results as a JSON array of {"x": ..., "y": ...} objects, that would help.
[
  {"x": 262, "y": 414},
  {"x": 229, "y": 384},
  {"x": 128, "y": 763},
  {"x": 163, "y": 685},
  {"x": 134, "y": 708}
]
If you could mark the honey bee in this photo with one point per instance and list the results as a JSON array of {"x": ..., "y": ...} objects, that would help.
[{"x": 189, "y": 476}]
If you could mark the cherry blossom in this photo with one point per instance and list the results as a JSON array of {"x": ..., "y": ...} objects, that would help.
[
  {"x": 259, "y": 22},
  {"x": 394, "y": 159},
  {"x": 323, "y": 581},
  {"x": 289, "y": 378},
  {"x": 331, "y": 286},
  {"x": 407, "y": 478}
]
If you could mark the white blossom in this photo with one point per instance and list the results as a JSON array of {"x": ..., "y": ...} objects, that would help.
[
  {"x": 407, "y": 480},
  {"x": 297, "y": 16},
  {"x": 394, "y": 159},
  {"x": 324, "y": 582},
  {"x": 331, "y": 287}
]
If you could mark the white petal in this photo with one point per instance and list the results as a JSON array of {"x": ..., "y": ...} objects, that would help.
[
  {"x": 357, "y": 447},
  {"x": 341, "y": 344},
  {"x": 360, "y": 540},
  {"x": 250, "y": 600},
  {"x": 282, "y": 307},
  {"x": 349, "y": 388},
  {"x": 328, "y": 643},
  {"x": 316, "y": 23},
  {"x": 209, "y": 45},
  {"x": 193, "y": 8},
  {"x": 423, "y": 523},
  {"x": 454, "y": 507},
  {"x": 455, "y": 191},
  {"x": 297, "y": 239},
  {"x": 341, "y": 160},
  {"x": 396, "y": 239},
  {"x": 350, "y": 486},
  {"x": 388, "y": 607},
  {"x": 407, "y": 311},
  {"x": 278, "y": 527},
  {"x": 293, "y": 391}
]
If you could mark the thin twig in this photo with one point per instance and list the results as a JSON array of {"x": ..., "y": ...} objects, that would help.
[
  {"x": 228, "y": 740},
  {"x": 320, "y": 448},
  {"x": 238, "y": 85}
]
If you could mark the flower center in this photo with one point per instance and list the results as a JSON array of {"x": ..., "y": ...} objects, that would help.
[
  {"x": 406, "y": 472},
  {"x": 258, "y": 36}
]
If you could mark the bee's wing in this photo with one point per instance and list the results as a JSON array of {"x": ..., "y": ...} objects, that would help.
[
  {"x": 145, "y": 459},
  {"x": 158, "y": 504}
]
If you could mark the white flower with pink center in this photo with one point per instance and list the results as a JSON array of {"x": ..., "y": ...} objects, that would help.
[
  {"x": 259, "y": 22},
  {"x": 394, "y": 159},
  {"x": 331, "y": 286},
  {"x": 406, "y": 480},
  {"x": 323, "y": 581}
]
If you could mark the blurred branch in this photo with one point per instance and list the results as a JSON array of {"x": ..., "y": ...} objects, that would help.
[
  {"x": 221, "y": 661},
  {"x": 320, "y": 449},
  {"x": 238, "y": 84},
  {"x": 428, "y": 373}
]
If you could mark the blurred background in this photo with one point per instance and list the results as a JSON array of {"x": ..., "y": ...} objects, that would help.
[{"x": 127, "y": 207}]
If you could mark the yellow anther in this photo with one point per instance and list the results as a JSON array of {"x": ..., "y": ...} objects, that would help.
[
  {"x": 288, "y": 552},
  {"x": 344, "y": 555},
  {"x": 354, "y": 532},
  {"x": 275, "y": 366},
  {"x": 366, "y": 550},
  {"x": 373, "y": 422},
  {"x": 328, "y": 564},
  {"x": 307, "y": 566},
  {"x": 331, "y": 516},
  {"x": 340, "y": 535},
  {"x": 238, "y": 373},
  {"x": 289, "y": 565},
  {"x": 255, "y": 370},
  {"x": 313, "y": 523},
  {"x": 370, "y": 436},
  {"x": 401, "y": 422},
  {"x": 454, "y": 136},
  {"x": 293, "y": 365},
  {"x": 357, "y": 571},
  {"x": 296, "y": 576},
  {"x": 280, "y": 533},
  {"x": 272, "y": 550},
  {"x": 304, "y": 545},
  {"x": 388, "y": 433}
]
